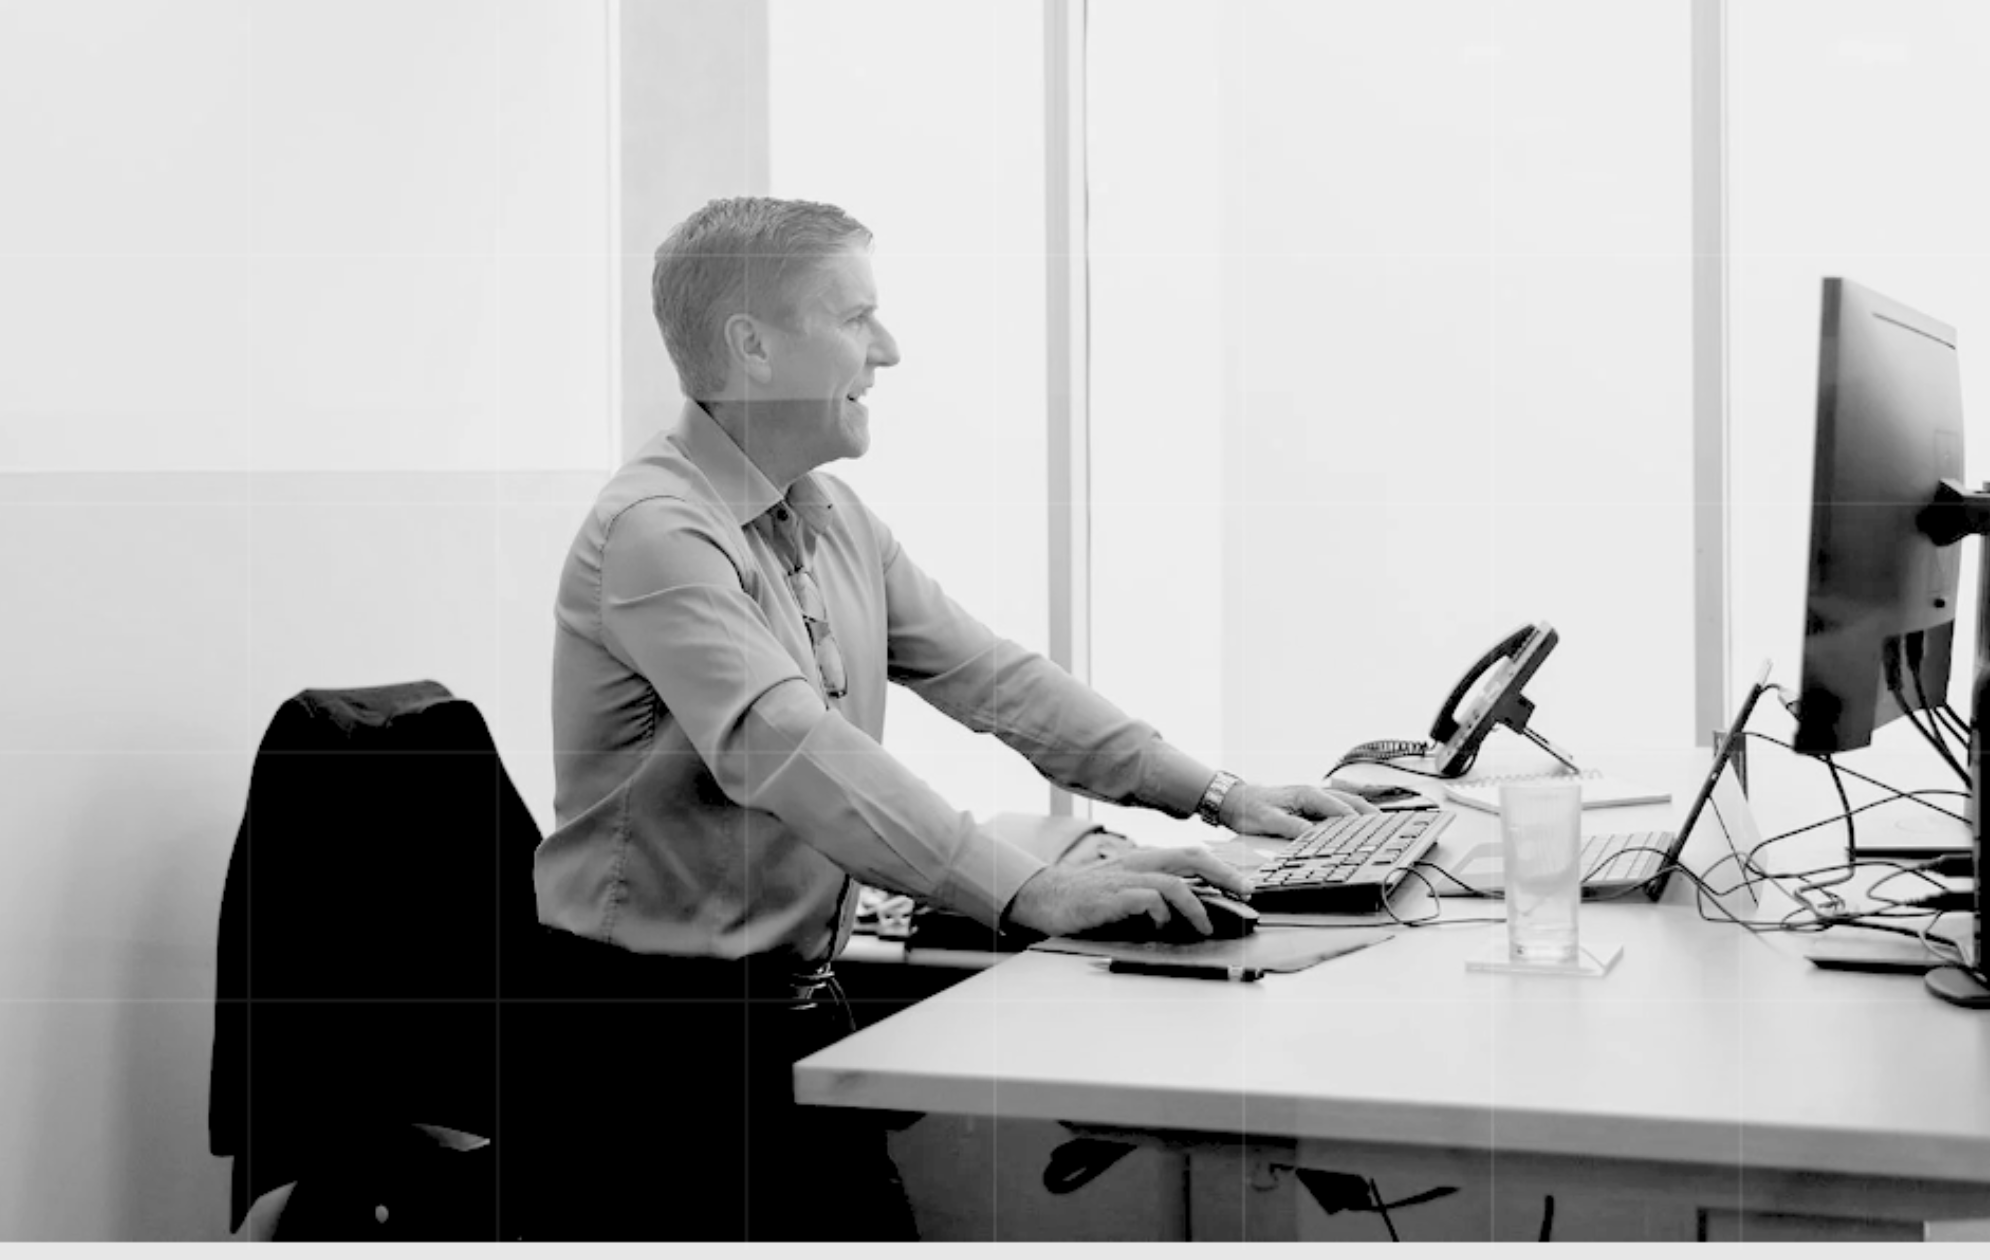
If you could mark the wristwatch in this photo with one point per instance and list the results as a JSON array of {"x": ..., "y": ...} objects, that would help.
[{"x": 1210, "y": 808}]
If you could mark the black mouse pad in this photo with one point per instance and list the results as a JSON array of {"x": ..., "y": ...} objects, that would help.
[{"x": 1267, "y": 949}]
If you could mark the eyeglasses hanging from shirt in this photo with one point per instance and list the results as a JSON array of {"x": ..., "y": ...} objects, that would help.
[{"x": 792, "y": 546}]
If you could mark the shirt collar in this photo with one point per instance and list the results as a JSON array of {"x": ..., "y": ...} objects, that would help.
[{"x": 745, "y": 490}]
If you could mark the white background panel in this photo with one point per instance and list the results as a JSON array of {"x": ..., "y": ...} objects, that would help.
[{"x": 133, "y": 633}]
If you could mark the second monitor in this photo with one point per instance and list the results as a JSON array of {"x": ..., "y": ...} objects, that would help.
[{"x": 1879, "y": 619}]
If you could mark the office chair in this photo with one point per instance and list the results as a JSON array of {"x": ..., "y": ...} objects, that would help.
[{"x": 378, "y": 903}]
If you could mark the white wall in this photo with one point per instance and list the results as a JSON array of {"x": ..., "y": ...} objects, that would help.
[
  {"x": 692, "y": 126},
  {"x": 308, "y": 323}
]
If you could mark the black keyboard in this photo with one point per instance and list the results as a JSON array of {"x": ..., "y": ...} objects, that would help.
[{"x": 1346, "y": 865}]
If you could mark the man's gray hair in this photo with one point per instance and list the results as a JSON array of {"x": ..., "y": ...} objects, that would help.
[{"x": 737, "y": 255}]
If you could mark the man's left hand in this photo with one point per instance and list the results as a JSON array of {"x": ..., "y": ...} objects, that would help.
[{"x": 1285, "y": 812}]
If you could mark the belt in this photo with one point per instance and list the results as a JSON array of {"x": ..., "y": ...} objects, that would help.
[
  {"x": 599, "y": 969},
  {"x": 752, "y": 979},
  {"x": 805, "y": 985}
]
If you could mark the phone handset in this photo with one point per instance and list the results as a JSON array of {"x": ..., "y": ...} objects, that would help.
[
  {"x": 1446, "y": 723},
  {"x": 1489, "y": 695}
]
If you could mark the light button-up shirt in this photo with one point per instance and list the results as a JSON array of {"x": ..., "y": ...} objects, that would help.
[{"x": 709, "y": 800}]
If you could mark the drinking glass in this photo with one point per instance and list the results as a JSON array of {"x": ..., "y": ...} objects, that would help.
[{"x": 1540, "y": 828}]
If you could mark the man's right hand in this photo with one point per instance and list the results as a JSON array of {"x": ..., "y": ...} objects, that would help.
[{"x": 1061, "y": 900}]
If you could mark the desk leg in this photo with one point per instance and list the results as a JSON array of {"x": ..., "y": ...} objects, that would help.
[{"x": 1241, "y": 1192}]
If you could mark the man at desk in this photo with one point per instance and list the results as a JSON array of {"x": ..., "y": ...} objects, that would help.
[{"x": 728, "y": 619}]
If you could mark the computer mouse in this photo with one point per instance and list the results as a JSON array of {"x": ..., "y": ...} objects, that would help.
[{"x": 1228, "y": 920}]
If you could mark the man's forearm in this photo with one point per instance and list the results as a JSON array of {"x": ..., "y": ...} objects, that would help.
[
  {"x": 1074, "y": 736},
  {"x": 863, "y": 809}
]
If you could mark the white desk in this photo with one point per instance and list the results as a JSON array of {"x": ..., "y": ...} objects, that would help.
[{"x": 1714, "y": 1074}]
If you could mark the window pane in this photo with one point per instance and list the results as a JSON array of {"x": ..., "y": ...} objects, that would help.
[
  {"x": 925, "y": 122},
  {"x": 1391, "y": 354}
]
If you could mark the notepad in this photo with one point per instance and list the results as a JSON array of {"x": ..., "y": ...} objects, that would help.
[{"x": 1598, "y": 789}]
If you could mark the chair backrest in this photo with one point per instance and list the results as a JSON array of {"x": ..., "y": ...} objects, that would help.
[{"x": 379, "y": 891}]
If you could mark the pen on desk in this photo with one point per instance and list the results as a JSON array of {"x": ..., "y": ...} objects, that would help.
[{"x": 1187, "y": 971}]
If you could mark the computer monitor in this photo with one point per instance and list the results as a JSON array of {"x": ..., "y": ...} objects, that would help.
[
  {"x": 1879, "y": 623},
  {"x": 1888, "y": 507}
]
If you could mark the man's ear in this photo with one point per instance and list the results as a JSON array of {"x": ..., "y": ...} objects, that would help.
[{"x": 746, "y": 342}]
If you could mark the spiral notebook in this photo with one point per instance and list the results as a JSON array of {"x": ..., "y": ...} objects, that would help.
[{"x": 1598, "y": 789}]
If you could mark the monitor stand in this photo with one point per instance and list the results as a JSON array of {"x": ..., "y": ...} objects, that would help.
[
  {"x": 1967, "y": 986},
  {"x": 1955, "y": 514},
  {"x": 1963, "y": 988}
]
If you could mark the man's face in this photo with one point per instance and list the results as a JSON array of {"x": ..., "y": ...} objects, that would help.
[{"x": 824, "y": 359}]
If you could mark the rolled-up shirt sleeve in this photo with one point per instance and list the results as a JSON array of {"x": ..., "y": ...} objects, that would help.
[
  {"x": 1075, "y": 737},
  {"x": 675, "y": 607}
]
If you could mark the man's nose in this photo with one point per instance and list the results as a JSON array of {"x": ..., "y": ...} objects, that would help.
[{"x": 884, "y": 348}]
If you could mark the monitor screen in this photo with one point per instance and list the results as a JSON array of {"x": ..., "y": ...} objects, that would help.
[{"x": 1879, "y": 619}]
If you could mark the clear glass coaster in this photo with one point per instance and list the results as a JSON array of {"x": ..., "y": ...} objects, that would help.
[{"x": 1592, "y": 958}]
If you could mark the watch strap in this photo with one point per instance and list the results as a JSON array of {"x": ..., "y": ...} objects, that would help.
[{"x": 1210, "y": 808}]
